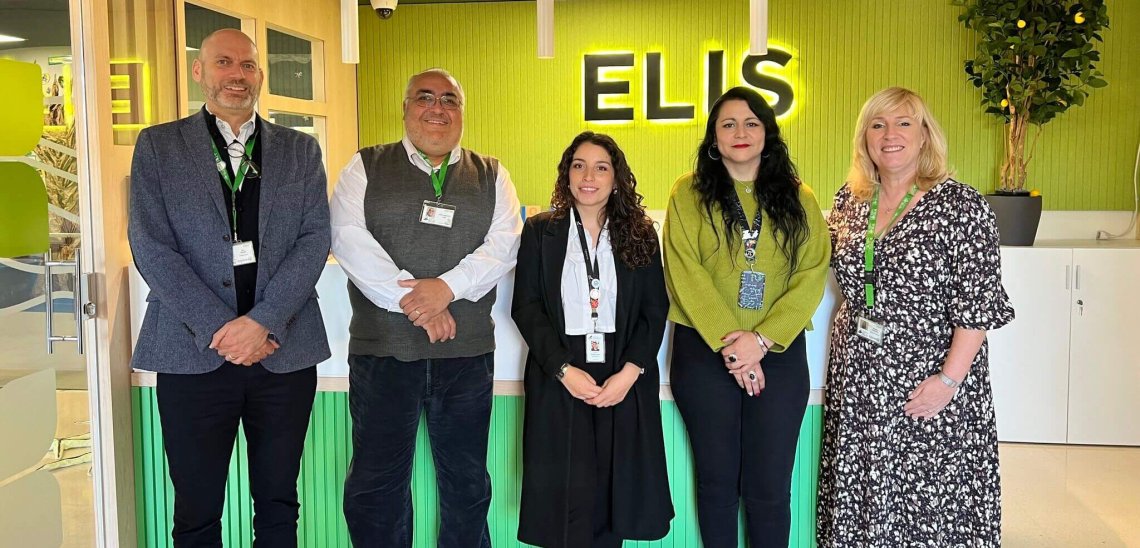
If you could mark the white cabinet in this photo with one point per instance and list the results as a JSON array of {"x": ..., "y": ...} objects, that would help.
[
  {"x": 1029, "y": 357},
  {"x": 1067, "y": 369},
  {"x": 1104, "y": 356}
]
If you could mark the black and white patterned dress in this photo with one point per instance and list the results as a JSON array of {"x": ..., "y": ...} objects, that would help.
[{"x": 887, "y": 480}]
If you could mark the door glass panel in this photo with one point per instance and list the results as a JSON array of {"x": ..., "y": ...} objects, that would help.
[
  {"x": 305, "y": 123},
  {"x": 46, "y": 484},
  {"x": 200, "y": 22},
  {"x": 290, "y": 65}
]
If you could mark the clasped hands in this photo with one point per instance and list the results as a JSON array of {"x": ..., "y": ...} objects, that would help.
[
  {"x": 426, "y": 306},
  {"x": 742, "y": 353},
  {"x": 612, "y": 392},
  {"x": 243, "y": 341}
]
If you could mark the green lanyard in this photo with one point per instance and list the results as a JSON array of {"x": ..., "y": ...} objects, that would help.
[
  {"x": 234, "y": 184},
  {"x": 438, "y": 176},
  {"x": 869, "y": 246}
]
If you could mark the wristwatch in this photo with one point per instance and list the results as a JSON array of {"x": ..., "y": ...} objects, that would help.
[
  {"x": 947, "y": 380},
  {"x": 561, "y": 371}
]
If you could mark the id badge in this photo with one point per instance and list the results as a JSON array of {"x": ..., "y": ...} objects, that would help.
[
  {"x": 437, "y": 213},
  {"x": 595, "y": 348},
  {"x": 751, "y": 294},
  {"x": 243, "y": 253},
  {"x": 869, "y": 329}
]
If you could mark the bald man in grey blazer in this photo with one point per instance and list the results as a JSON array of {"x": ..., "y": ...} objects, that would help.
[{"x": 229, "y": 226}]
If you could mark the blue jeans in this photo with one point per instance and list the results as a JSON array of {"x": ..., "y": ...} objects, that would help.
[{"x": 386, "y": 398}]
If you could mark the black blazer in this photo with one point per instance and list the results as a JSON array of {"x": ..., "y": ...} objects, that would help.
[{"x": 641, "y": 504}]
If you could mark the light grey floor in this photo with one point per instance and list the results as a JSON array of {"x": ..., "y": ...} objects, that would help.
[{"x": 1070, "y": 496}]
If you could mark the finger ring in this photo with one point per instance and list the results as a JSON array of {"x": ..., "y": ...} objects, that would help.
[
  {"x": 229, "y": 358},
  {"x": 752, "y": 376},
  {"x": 732, "y": 358}
]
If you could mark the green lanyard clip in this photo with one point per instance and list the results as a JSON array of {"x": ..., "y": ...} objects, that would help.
[
  {"x": 438, "y": 176},
  {"x": 234, "y": 184},
  {"x": 869, "y": 244}
]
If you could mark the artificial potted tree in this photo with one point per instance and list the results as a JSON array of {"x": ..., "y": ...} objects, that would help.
[{"x": 1035, "y": 59}]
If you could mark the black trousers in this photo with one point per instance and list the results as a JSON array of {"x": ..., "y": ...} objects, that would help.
[
  {"x": 743, "y": 446},
  {"x": 200, "y": 416}
]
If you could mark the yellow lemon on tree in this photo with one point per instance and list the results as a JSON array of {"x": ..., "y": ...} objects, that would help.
[
  {"x": 1035, "y": 193},
  {"x": 1079, "y": 18},
  {"x": 1021, "y": 23},
  {"x": 1004, "y": 103}
]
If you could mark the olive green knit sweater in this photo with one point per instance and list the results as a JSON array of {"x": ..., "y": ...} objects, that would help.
[{"x": 703, "y": 275}]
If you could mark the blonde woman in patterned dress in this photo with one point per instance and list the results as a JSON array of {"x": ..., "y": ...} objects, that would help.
[{"x": 910, "y": 444}]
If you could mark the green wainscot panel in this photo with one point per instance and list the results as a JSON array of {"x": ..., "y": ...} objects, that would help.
[
  {"x": 23, "y": 211},
  {"x": 328, "y": 451},
  {"x": 21, "y": 111}
]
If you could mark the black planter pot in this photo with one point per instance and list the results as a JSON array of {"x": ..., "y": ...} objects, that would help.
[{"x": 1017, "y": 217}]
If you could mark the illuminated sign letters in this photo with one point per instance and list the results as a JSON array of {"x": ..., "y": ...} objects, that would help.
[{"x": 750, "y": 71}]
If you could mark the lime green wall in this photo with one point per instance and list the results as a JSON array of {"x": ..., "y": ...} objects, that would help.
[
  {"x": 325, "y": 463},
  {"x": 525, "y": 110}
]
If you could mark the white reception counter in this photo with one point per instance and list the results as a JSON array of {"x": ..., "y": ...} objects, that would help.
[{"x": 510, "y": 350}]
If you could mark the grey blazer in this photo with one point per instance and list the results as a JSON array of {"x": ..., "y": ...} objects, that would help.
[{"x": 180, "y": 237}]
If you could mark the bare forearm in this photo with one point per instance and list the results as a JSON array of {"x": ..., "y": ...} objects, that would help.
[{"x": 964, "y": 346}]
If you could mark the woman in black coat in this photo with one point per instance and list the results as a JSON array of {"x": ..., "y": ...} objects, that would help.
[{"x": 593, "y": 454}]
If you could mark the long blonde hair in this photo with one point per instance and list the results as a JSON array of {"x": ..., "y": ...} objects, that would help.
[{"x": 863, "y": 177}]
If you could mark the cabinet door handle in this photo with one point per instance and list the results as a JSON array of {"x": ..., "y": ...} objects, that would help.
[
  {"x": 1077, "y": 278},
  {"x": 1068, "y": 276}
]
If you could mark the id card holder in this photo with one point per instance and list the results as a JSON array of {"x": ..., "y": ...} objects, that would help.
[
  {"x": 869, "y": 329},
  {"x": 243, "y": 253},
  {"x": 437, "y": 213},
  {"x": 751, "y": 294},
  {"x": 595, "y": 348}
]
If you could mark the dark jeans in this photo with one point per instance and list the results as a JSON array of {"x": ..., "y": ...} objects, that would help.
[
  {"x": 200, "y": 415},
  {"x": 386, "y": 398},
  {"x": 743, "y": 446}
]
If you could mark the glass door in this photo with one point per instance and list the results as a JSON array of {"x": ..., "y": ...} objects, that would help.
[{"x": 46, "y": 476}]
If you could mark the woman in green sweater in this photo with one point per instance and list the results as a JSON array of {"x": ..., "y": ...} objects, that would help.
[{"x": 746, "y": 258}]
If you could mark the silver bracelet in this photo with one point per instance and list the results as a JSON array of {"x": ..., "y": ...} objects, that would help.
[
  {"x": 760, "y": 340},
  {"x": 948, "y": 381}
]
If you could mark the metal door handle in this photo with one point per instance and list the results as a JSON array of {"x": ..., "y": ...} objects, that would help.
[
  {"x": 49, "y": 304},
  {"x": 1068, "y": 275},
  {"x": 1077, "y": 278}
]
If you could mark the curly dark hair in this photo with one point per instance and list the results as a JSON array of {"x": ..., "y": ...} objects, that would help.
[
  {"x": 632, "y": 234},
  {"x": 777, "y": 184}
]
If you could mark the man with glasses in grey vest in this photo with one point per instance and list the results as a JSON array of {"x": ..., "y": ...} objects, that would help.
[{"x": 425, "y": 230}]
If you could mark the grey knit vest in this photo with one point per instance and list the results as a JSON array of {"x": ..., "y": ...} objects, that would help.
[{"x": 392, "y": 204}]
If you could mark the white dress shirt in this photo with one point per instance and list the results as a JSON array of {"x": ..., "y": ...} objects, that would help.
[
  {"x": 576, "y": 290},
  {"x": 374, "y": 272},
  {"x": 243, "y": 134}
]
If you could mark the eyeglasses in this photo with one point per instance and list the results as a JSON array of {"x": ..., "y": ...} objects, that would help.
[
  {"x": 427, "y": 100},
  {"x": 237, "y": 150}
]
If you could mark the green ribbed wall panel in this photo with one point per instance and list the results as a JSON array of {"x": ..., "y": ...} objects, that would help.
[
  {"x": 327, "y": 453},
  {"x": 525, "y": 110}
]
